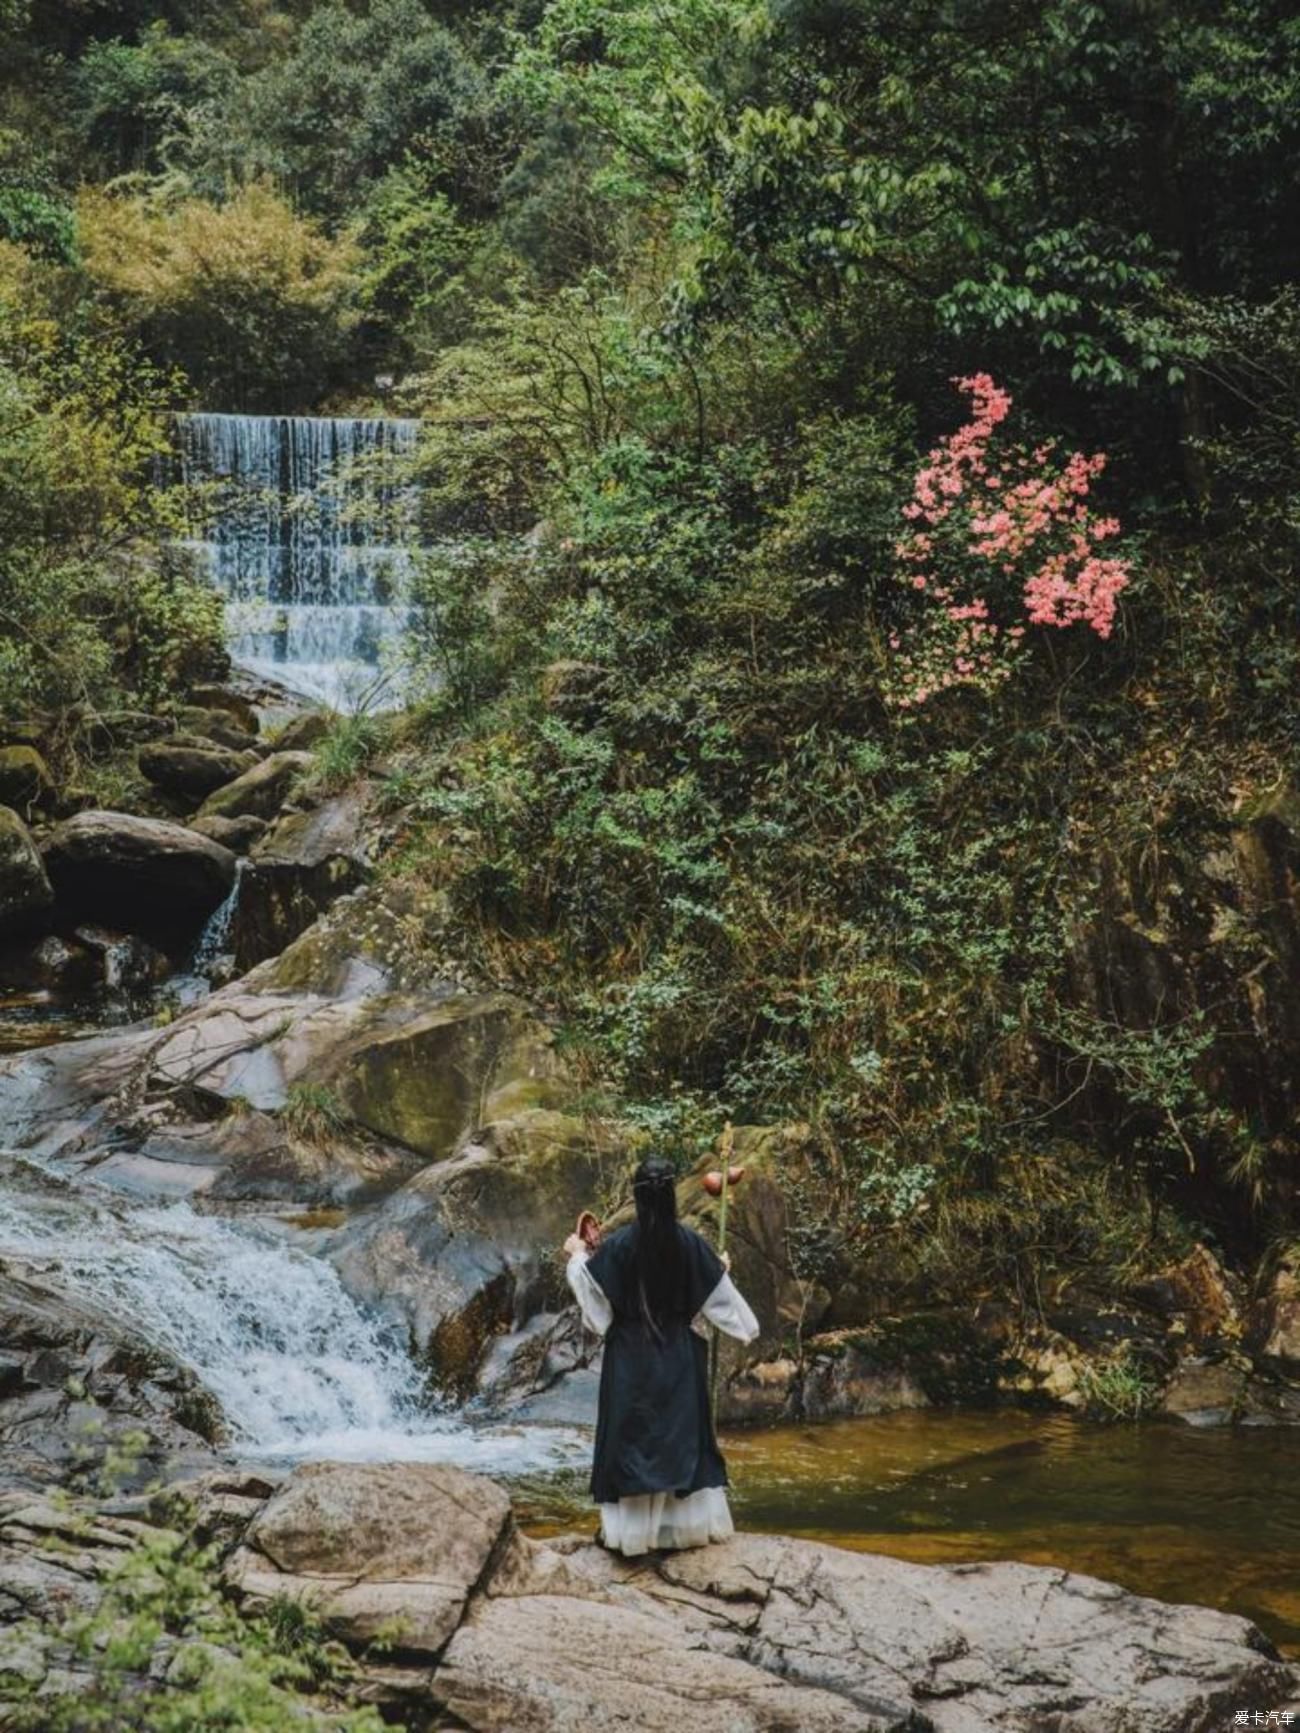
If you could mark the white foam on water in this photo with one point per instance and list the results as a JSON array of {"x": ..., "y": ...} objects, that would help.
[
  {"x": 299, "y": 1369},
  {"x": 309, "y": 543}
]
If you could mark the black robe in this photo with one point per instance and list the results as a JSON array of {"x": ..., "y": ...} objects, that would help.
[{"x": 654, "y": 1432}]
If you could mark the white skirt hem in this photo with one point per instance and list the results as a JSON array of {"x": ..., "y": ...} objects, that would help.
[{"x": 651, "y": 1521}]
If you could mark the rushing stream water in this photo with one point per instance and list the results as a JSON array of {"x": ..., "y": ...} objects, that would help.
[{"x": 298, "y": 1368}]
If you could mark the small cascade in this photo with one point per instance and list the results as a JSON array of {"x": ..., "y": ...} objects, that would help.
[
  {"x": 298, "y": 1368},
  {"x": 213, "y": 947},
  {"x": 307, "y": 537}
]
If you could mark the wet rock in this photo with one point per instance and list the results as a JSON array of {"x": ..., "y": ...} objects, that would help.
[
  {"x": 261, "y": 791},
  {"x": 236, "y": 834},
  {"x": 124, "y": 961},
  {"x": 190, "y": 770},
  {"x": 466, "y": 1252},
  {"x": 301, "y": 733},
  {"x": 216, "y": 725},
  {"x": 25, "y": 892},
  {"x": 1279, "y": 1320},
  {"x": 25, "y": 780},
  {"x": 764, "y": 1394},
  {"x": 84, "y": 1385},
  {"x": 1206, "y": 1392},
  {"x": 305, "y": 862},
  {"x": 233, "y": 704},
  {"x": 375, "y": 1547},
  {"x": 144, "y": 873},
  {"x": 53, "y": 963},
  {"x": 899, "y": 1363}
]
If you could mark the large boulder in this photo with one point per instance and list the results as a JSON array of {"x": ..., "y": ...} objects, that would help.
[
  {"x": 217, "y": 725},
  {"x": 302, "y": 733},
  {"x": 189, "y": 768},
  {"x": 375, "y": 1547},
  {"x": 762, "y": 1634},
  {"x": 305, "y": 862},
  {"x": 236, "y": 834},
  {"x": 1279, "y": 1319},
  {"x": 261, "y": 791},
  {"x": 467, "y": 1250},
  {"x": 141, "y": 873},
  {"x": 25, "y": 780},
  {"x": 25, "y": 893},
  {"x": 240, "y": 709}
]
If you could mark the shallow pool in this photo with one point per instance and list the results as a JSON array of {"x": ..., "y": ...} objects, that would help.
[{"x": 1182, "y": 1513}]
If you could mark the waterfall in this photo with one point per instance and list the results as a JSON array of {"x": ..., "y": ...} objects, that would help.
[
  {"x": 298, "y": 1368},
  {"x": 306, "y": 528},
  {"x": 213, "y": 946}
]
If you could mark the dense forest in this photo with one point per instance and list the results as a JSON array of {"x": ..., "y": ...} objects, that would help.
[{"x": 862, "y": 689}]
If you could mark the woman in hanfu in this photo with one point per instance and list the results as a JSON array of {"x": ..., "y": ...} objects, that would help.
[{"x": 658, "y": 1475}]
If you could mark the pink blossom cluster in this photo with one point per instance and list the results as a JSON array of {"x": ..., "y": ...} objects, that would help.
[{"x": 1012, "y": 536}]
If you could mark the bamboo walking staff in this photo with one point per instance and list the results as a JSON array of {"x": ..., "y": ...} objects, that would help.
[{"x": 725, "y": 1181}]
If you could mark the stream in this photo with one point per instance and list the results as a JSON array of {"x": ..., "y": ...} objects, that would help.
[
  {"x": 1183, "y": 1513},
  {"x": 302, "y": 1371}
]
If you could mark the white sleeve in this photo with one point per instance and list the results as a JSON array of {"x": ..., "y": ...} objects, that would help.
[
  {"x": 727, "y": 1310},
  {"x": 597, "y": 1313}
]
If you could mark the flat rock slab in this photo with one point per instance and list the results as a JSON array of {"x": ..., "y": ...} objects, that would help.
[
  {"x": 969, "y": 1647},
  {"x": 376, "y": 1548},
  {"x": 760, "y": 1635},
  {"x": 550, "y": 1662}
]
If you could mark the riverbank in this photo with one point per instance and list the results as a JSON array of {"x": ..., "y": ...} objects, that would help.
[{"x": 452, "y": 1617}]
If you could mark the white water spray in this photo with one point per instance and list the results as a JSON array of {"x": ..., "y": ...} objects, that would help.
[
  {"x": 308, "y": 544},
  {"x": 299, "y": 1370}
]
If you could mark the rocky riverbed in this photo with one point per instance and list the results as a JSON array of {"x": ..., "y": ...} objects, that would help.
[
  {"x": 319, "y": 1204},
  {"x": 483, "y": 1628}
]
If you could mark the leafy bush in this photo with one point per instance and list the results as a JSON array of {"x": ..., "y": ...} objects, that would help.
[{"x": 253, "y": 302}]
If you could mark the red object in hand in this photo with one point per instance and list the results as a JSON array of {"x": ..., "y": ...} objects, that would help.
[
  {"x": 713, "y": 1180},
  {"x": 588, "y": 1230}
]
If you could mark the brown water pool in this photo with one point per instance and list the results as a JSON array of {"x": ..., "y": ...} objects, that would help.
[{"x": 1182, "y": 1513}]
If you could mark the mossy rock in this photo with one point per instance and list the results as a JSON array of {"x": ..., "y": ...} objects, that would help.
[
  {"x": 25, "y": 780},
  {"x": 940, "y": 1352},
  {"x": 432, "y": 1079},
  {"x": 25, "y": 893},
  {"x": 262, "y": 790}
]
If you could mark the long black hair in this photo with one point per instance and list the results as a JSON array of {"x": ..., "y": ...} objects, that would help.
[{"x": 657, "y": 1256}]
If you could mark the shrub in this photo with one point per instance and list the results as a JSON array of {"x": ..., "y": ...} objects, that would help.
[{"x": 253, "y": 302}]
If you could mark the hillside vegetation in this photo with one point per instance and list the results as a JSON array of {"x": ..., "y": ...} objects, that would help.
[{"x": 863, "y": 691}]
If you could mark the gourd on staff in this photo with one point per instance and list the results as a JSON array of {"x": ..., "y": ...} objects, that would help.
[{"x": 658, "y": 1475}]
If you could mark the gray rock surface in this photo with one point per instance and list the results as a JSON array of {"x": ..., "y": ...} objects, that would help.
[
  {"x": 760, "y": 1635},
  {"x": 143, "y": 873},
  {"x": 25, "y": 893}
]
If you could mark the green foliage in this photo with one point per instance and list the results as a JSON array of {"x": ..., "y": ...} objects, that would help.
[
  {"x": 313, "y": 1112},
  {"x": 252, "y": 300},
  {"x": 82, "y": 610},
  {"x": 358, "y": 89},
  {"x": 1118, "y": 1389},
  {"x": 163, "y": 1652}
]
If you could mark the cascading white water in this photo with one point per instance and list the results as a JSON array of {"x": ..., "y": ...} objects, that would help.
[
  {"x": 307, "y": 539},
  {"x": 298, "y": 1368}
]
